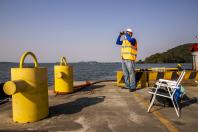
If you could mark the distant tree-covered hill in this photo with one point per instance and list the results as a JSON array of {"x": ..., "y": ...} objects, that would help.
[{"x": 179, "y": 54}]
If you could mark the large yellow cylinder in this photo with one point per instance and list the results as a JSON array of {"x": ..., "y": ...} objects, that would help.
[
  {"x": 29, "y": 90},
  {"x": 120, "y": 79},
  {"x": 63, "y": 77}
]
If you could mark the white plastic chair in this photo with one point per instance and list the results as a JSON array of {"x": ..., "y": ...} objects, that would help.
[{"x": 171, "y": 87}]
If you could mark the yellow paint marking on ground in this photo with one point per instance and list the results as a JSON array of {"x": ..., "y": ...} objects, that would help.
[{"x": 159, "y": 116}]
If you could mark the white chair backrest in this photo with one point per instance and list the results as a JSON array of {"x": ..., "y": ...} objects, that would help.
[{"x": 180, "y": 77}]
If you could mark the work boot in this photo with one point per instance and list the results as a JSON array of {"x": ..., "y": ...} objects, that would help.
[{"x": 132, "y": 90}]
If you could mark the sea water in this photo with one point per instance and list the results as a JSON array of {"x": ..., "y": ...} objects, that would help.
[{"x": 83, "y": 71}]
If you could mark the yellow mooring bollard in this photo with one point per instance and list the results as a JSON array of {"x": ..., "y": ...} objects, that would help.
[
  {"x": 120, "y": 79},
  {"x": 29, "y": 90},
  {"x": 63, "y": 78}
]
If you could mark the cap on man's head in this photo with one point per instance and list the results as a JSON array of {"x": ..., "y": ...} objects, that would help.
[{"x": 129, "y": 30}]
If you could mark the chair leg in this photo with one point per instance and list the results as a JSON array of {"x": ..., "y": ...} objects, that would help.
[
  {"x": 176, "y": 108},
  {"x": 152, "y": 101},
  {"x": 151, "y": 98},
  {"x": 174, "y": 102}
]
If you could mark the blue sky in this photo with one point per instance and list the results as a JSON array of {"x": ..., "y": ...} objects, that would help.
[{"x": 86, "y": 30}]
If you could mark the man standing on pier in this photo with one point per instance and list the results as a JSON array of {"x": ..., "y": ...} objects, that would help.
[{"x": 128, "y": 54}]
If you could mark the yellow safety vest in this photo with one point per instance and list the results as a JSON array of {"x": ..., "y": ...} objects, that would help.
[{"x": 128, "y": 51}]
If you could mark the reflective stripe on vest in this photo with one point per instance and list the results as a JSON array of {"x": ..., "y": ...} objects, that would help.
[
  {"x": 133, "y": 47},
  {"x": 128, "y": 51}
]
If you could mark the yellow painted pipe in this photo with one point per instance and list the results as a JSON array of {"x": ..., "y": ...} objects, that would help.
[
  {"x": 12, "y": 87},
  {"x": 24, "y": 56},
  {"x": 59, "y": 75}
]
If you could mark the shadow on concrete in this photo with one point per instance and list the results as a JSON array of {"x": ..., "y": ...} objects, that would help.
[
  {"x": 74, "y": 106},
  {"x": 159, "y": 107},
  {"x": 186, "y": 101},
  {"x": 137, "y": 89},
  {"x": 141, "y": 88},
  {"x": 3, "y": 97},
  {"x": 92, "y": 87},
  {"x": 164, "y": 102}
]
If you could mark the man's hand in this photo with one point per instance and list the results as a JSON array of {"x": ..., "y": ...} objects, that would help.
[{"x": 122, "y": 33}]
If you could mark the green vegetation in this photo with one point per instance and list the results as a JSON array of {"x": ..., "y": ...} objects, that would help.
[{"x": 179, "y": 54}]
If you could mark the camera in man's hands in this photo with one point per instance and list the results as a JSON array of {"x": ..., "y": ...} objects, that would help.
[{"x": 122, "y": 33}]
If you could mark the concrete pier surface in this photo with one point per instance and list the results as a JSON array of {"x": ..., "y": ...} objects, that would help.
[{"x": 104, "y": 107}]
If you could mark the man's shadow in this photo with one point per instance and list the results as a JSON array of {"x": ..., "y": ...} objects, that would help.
[{"x": 74, "y": 106}]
